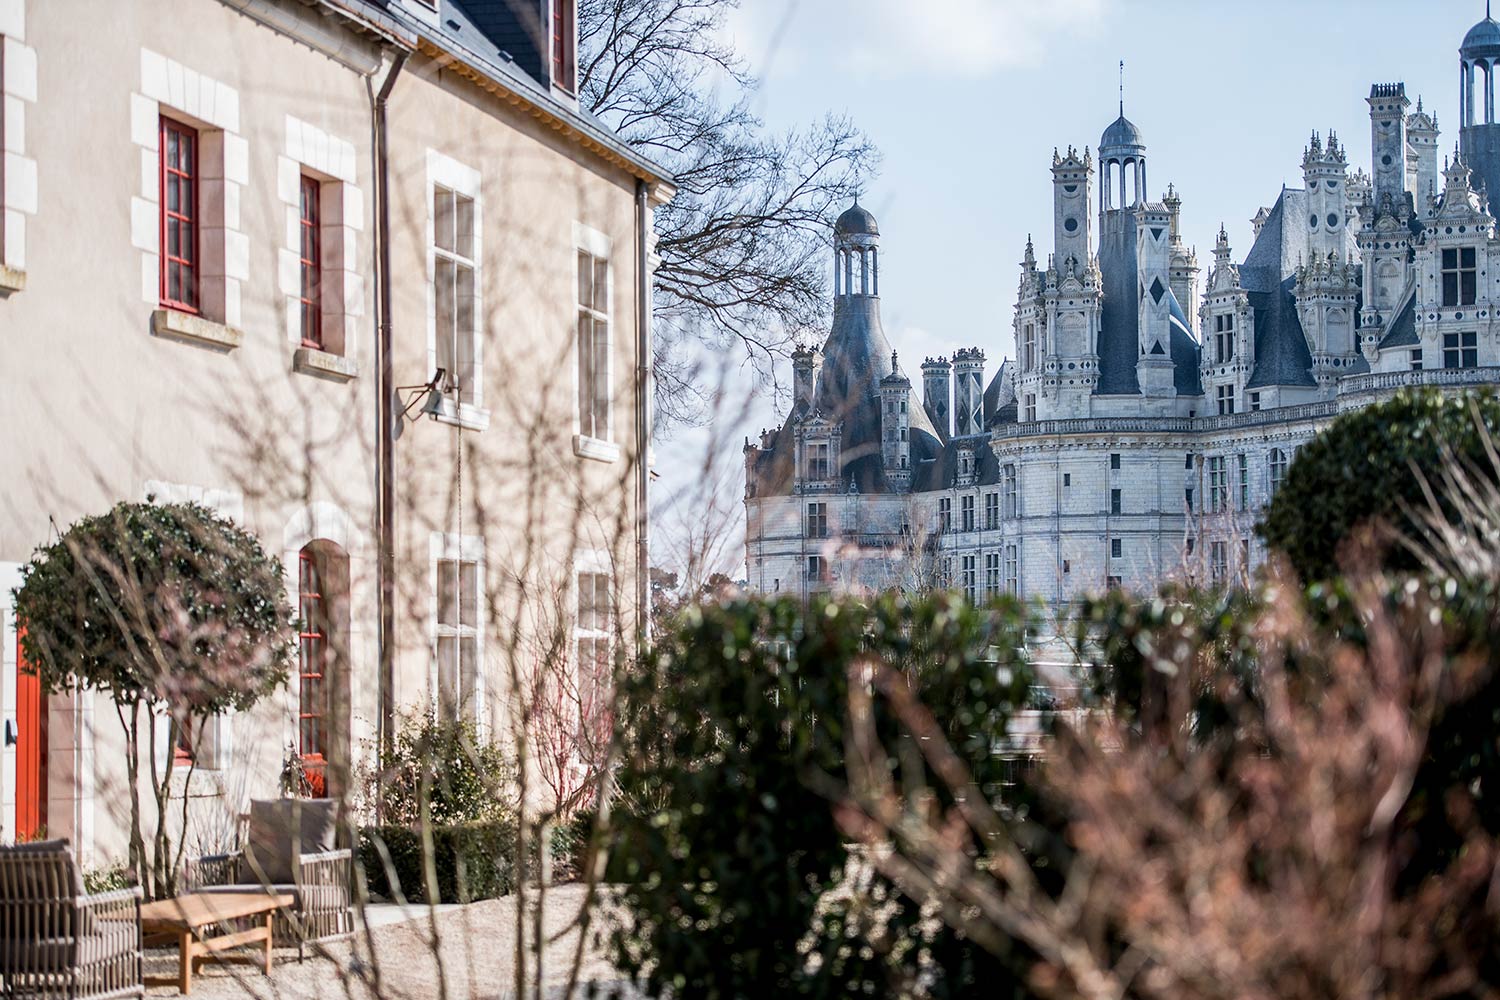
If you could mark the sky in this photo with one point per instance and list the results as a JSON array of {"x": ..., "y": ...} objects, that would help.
[{"x": 968, "y": 98}]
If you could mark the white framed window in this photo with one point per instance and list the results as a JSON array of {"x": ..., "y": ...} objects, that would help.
[
  {"x": 818, "y": 468},
  {"x": 966, "y": 512},
  {"x": 1012, "y": 570},
  {"x": 817, "y": 520},
  {"x": 945, "y": 515},
  {"x": 971, "y": 577},
  {"x": 1218, "y": 484},
  {"x": 1225, "y": 396},
  {"x": 991, "y": 511},
  {"x": 1276, "y": 466},
  {"x": 991, "y": 573},
  {"x": 1244, "y": 488},
  {"x": 457, "y": 573},
  {"x": 1219, "y": 561},
  {"x": 593, "y": 346},
  {"x": 594, "y": 631},
  {"x": 455, "y": 251},
  {"x": 1009, "y": 488}
]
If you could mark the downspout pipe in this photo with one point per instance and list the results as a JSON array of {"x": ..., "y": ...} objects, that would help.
[
  {"x": 386, "y": 414},
  {"x": 643, "y": 389}
]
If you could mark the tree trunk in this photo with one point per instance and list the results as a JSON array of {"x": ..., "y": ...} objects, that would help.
[{"x": 132, "y": 727}]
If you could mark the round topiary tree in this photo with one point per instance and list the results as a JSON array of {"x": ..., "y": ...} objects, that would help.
[
  {"x": 1368, "y": 470},
  {"x": 175, "y": 614}
]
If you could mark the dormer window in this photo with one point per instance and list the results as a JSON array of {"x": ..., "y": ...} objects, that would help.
[
  {"x": 1459, "y": 281},
  {"x": 1223, "y": 339},
  {"x": 564, "y": 45},
  {"x": 817, "y": 461}
]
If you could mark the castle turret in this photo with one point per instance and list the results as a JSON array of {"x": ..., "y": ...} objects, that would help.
[
  {"x": 805, "y": 364},
  {"x": 1323, "y": 174},
  {"x": 1388, "y": 104},
  {"x": 937, "y": 392},
  {"x": 1072, "y": 193},
  {"x": 1421, "y": 158},
  {"x": 1122, "y": 185},
  {"x": 1479, "y": 132},
  {"x": 1154, "y": 366},
  {"x": 895, "y": 426},
  {"x": 968, "y": 392},
  {"x": 1183, "y": 264}
]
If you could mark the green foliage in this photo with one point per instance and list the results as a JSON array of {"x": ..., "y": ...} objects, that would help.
[
  {"x": 469, "y": 861},
  {"x": 159, "y": 603},
  {"x": 106, "y": 879},
  {"x": 1365, "y": 469},
  {"x": 448, "y": 767},
  {"x": 735, "y": 881}
]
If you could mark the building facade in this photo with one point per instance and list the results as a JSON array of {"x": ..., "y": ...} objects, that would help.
[
  {"x": 1152, "y": 409},
  {"x": 362, "y": 276}
]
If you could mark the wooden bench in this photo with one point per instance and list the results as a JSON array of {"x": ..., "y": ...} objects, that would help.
[{"x": 204, "y": 924}]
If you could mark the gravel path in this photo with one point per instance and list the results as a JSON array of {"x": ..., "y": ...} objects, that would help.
[{"x": 474, "y": 959}]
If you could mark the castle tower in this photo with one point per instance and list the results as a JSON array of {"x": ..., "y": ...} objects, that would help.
[
  {"x": 1072, "y": 193},
  {"x": 937, "y": 390},
  {"x": 1388, "y": 104},
  {"x": 1184, "y": 261},
  {"x": 1421, "y": 158},
  {"x": 1228, "y": 354},
  {"x": 1122, "y": 186},
  {"x": 1154, "y": 366},
  {"x": 856, "y": 254},
  {"x": 895, "y": 427},
  {"x": 805, "y": 364},
  {"x": 968, "y": 392},
  {"x": 1479, "y": 131},
  {"x": 1323, "y": 174}
]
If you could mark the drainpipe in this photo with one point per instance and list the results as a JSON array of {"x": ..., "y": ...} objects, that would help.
[
  {"x": 643, "y": 388},
  {"x": 385, "y": 417}
]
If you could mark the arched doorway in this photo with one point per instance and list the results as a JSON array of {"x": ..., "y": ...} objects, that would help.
[
  {"x": 31, "y": 751},
  {"x": 322, "y": 667}
]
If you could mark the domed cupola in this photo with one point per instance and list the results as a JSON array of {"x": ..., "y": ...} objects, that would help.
[
  {"x": 1479, "y": 60},
  {"x": 1123, "y": 135},
  {"x": 856, "y": 253},
  {"x": 1122, "y": 165},
  {"x": 1483, "y": 40}
]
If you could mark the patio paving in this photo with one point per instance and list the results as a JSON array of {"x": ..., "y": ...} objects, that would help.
[{"x": 395, "y": 959}]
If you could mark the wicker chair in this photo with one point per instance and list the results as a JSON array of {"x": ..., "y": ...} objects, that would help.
[
  {"x": 57, "y": 940},
  {"x": 289, "y": 847}
]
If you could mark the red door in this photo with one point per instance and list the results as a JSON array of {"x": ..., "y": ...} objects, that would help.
[{"x": 31, "y": 753}]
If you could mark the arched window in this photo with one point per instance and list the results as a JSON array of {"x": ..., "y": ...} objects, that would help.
[
  {"x": 1276, "y": 464},
  {"x": 322, "y": 607}
]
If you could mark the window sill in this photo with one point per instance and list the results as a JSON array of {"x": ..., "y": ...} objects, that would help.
[
  {"x": 12, "y": 279},
  {"x": 322, "y": 364},
  {"x": 176, "y": 325},
  {"x": 595, "y": 449},
  {"x": 465, "y": 415}
]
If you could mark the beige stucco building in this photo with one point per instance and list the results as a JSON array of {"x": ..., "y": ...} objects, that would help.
[{"x": 239, "y": 242}]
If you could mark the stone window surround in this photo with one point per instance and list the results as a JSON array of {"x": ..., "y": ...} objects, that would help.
[
  {"x": 168, "y": 87},
  {"x": 18, "y": 172},
  {"x": 596, "y": 244},
  {"x": 332, "y": 162},
  {"x": 446, "y": 172},
  {"x": 446, "y": 546}
]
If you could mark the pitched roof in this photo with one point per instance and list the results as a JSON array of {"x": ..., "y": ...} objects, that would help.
[
  {"x": 1185, "y": 351},
  {"x": 1119, "y": 318},
  {"x": 1281, "y": 354},
  {"x": 1403, "y": 329}
]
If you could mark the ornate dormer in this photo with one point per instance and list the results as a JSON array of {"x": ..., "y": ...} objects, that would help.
[
  {"x": 1323, "y": 175},
  {"x": 1227, "y": 324},
  {"x": 1326, "y": 291},
  {"x": 1421, "y": 158}
]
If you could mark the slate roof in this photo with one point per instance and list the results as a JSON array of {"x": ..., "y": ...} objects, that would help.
[
  {"x": 1403, "y": 329},
  {"x": 1119, "y": 318},
  {"x": 1281, "y": 354},
  {"x": 1121, "y": 132},
  {"x": 856, "y": 221},
  {"x": 1483, "y": 39},
  {"x": 1000, "y": 397},
  {"x": 1185, "y": 352}
]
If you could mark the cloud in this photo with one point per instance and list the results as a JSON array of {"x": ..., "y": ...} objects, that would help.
[{"x": 901, "y": 38}]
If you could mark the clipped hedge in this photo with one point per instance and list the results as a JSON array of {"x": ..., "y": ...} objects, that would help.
[{"x": 471, "y": 861}]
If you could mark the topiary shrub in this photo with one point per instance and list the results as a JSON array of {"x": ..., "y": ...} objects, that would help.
[
  {"x": 446, "y": 771},
  {"x": 175, "y": 614},
  {"x": 1367, "y": 469},
  {"x": 470, "y": 861},
  {"x": 736, "y": 879}
]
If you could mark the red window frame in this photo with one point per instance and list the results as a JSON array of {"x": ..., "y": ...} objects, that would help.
[
  {"x": 178, "y": 152},
  {"x": 562, "y": 45},
  {"x": 312, "y": 673},
  {"x": 310, "y": 253}
]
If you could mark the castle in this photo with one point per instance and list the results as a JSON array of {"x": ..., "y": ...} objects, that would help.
[{"x": 1128, "y": 444}]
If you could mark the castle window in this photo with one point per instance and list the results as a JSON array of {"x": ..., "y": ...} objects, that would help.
[
  {"x": 945, "y": 515},
  {"x": 1187, "y": 463},
  {"x": 310, "y": 260},
  {"x": 593, "y": 346},
  {"x": 1460, "y": 350},
  {"x": 1009, "y": 483},
  {"x": 1116, "y": 548},
  {"x": 991, "y": 573},
  {"x": 1223, "y": 339},
  {"x": 457, "y": 638},
  {"x": 1188, "y": 499},
  {"x": 1459, "y": 281},
  {"x": 970, "y": 581},
  {"x": 179, "y": 215},
  {"x": 1255, "y": 402},
  {"x": 815, "y": 568},
  {"x": 991, "y": 511},
  {"x": 1219, "y": 561},
  {"x": 1244, "y": 461},
  {"x": 1012, "y": 574},
  {"x": 966, "y": 512},
  {"x": 817, "y": 520},
  {"x": 1416, "y": 359},
  {"x": 817, "y": 461},
  {"x": 1114, "y": 460},
  {"x": 1226, "y": 400},
  {"x": 1028, "y": 347},
  {"x": 1276, "y": 467},
  {"x": 1113, "y": 582},
  {"x": 1115, "y": 501},
  {"x": 1028, "y": 411},
  {"x": 1067, "y": 566},
  {"x": 1218, "y": 484},
  {"x": 1067, "y": 480}
]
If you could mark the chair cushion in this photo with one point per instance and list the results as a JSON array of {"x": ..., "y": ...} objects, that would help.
[{"x": 281, "y": 831}]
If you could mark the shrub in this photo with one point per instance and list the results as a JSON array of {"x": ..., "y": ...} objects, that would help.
[
  {"x": 1367, "y": 468},
  {"x": 446, "y": 767},
  {"x": 469, "y": 861},
  {"x": 736, "y": 879}
]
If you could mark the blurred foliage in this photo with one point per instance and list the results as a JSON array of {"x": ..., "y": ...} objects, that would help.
[
  {"x": 1367, "y": 469},
  {"x": 469, "y": 861},
  {"x": 441, "y": 772},
  {"x": 737, "y": 882}
]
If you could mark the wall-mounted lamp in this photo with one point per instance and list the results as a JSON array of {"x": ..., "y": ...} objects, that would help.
[{"x": 429, "y": 396}]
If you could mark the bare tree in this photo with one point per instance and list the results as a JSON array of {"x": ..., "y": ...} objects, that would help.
[{"x": 741, "y": 244}]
